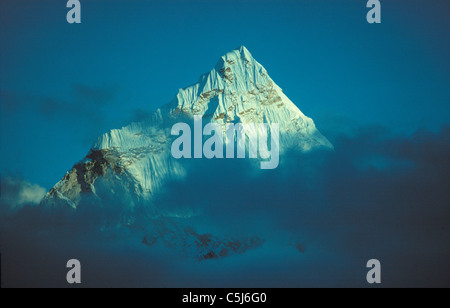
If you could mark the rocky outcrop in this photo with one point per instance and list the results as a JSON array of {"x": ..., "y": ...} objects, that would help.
[
  {"x": 81, "y": 178},
  {"x": 188, "y": 242}
]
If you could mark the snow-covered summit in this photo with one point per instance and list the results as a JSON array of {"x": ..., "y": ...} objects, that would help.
[{"x": 135, "y": 161}]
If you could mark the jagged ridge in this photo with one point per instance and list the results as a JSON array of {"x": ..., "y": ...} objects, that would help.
[{"x": 237, "y": 90}]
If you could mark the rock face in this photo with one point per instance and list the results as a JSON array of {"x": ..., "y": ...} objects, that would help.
[
  {"x": 188, "y": 242},
  {"x": 133, "y": 163},
  {"x": 237, "y": 90},
  {"x": 83, "y": 175}
]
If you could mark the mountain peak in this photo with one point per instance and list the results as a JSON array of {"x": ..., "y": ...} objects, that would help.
[
  {"x": 128, "y": 167},
  {"x": 244, "y": 52},
  {"x": 240, "y": 55},
  {"x": 137, "y": 158},
  {"x": 241, "y": 52}
]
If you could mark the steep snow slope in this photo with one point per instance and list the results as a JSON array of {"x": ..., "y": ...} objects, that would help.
[{"x": 134, "y": 162}]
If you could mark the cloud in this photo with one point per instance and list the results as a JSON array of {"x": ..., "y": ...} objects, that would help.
[
  {"x": 378, "y": 195},
  {"x": 102, "y": 95},
  {"x": 16, "y": 193},
  {"x": 139, "y": 115},
  {"x": 87, "y": 104},
  {"x": 52, "y": 107},
  {"x": 84, "y": 100}
]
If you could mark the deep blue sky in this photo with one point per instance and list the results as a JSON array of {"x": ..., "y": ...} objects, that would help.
[
  {"x": 380, "y": 93},
  {"x": 62, "y": 85}
]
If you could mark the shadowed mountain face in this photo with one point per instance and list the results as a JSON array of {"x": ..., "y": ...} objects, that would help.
[{"x": 132, "y": 165}]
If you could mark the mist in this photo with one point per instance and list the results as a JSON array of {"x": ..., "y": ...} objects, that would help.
[{"x": 322, "y": 216}]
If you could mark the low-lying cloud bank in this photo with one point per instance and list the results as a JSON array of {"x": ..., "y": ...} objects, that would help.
[{"x": 322, "y": 215}]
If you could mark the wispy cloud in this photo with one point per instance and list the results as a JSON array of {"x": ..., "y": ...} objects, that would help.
[
  {"x": 84, "y": 100},
  {"x": 16, "y": 193}
]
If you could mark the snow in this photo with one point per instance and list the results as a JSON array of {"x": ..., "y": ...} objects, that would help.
[{"x": 237, "y": 90}]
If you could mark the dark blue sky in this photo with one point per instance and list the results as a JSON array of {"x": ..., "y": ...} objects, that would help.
[
  {"x": 379, "y": 92},
  {"x": 62, "y": 85}
]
